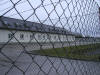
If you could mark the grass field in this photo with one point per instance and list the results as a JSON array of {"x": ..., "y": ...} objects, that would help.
[{"x": 72, "y": 52}]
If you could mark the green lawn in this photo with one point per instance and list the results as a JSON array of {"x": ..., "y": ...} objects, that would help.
[{"x": 72, "y": 52}]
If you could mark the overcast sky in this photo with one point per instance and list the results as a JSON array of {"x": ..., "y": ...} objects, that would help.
[
  {"x": 98, "y": 1},
  {"x": 74, "y": 17}
]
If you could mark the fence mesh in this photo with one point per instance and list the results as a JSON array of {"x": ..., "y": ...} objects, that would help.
[{"x": 49, "y": 37}]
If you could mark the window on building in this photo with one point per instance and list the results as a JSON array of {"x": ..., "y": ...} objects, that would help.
[
  {"x": 43, "y": 36},
  {"x": 39, "y": 37},
  {"x": 31, "y": 36},
  {"x": 54, "y": 37},
  {"x": 22, "y": 36},
  {"x": 10, "y": 35},
  {"x": 49, "y": 37}
]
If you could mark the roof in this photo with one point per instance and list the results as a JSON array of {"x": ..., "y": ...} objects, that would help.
[
  {"x": 77, "y": 34},
  {"x": 16, "y": 24}
]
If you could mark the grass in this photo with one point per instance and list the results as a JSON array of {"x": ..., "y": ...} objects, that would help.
[{"x": 72, "y": 52}]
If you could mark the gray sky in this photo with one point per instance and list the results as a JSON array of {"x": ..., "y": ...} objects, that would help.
[
  {"x": 98, "y": 1},
  {"x": 26, "y": 10}
]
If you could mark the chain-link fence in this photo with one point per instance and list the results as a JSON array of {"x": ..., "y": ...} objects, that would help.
[{"x": 49, "y": 37}]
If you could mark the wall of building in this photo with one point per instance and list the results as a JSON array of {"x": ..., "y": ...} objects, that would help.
[{"x": 26, "y": 36}]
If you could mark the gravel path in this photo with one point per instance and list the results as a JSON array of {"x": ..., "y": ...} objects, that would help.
[
  {"x": 49, "y": 66},
  {"x": 41, "y": 65}
]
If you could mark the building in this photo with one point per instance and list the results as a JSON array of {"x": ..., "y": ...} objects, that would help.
[{"x": 15, "y": 30}]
